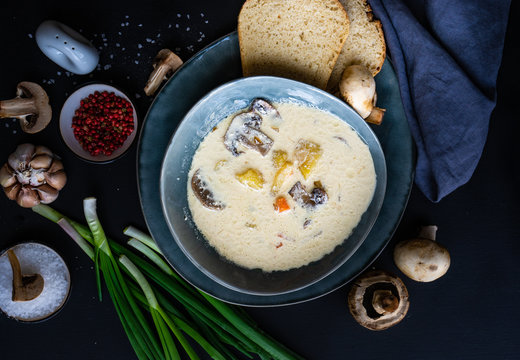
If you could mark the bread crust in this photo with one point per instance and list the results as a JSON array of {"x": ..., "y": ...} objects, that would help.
[
  {"x": 343, "y": 61},
  {"x": 379, "y": 27},
  {"x": 328, "y": 66}
]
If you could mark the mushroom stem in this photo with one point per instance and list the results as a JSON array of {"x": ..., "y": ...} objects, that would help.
[
  {"x": 376, "y": 116},
  {"x": 30, "y": 106},
  {"x": 165, "y": 63},
  {"x": 17, "y": 107},
  {"x": 384, "y": 302},
  {"x": 26, "y": 287},
  {"x": 428, "y": 232}
]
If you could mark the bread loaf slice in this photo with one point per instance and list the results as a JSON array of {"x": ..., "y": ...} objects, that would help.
[
  {"x": 365, "y": 43},
  {"x": 296, "y": 39}
]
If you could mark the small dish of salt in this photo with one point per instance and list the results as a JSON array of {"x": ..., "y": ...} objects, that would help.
[{"x": 38, "y": 259}]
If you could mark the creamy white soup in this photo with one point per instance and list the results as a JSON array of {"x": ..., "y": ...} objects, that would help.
[{"x": 278, "y": 186}]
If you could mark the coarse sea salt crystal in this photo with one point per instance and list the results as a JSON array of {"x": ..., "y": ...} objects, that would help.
[{"x": 35, "y": 258}]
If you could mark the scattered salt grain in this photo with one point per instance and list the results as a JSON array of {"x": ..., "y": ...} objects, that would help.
[
  {"x": 136, "y": 61},
  {"x": 106, "y": 67},
  {"x": 35, "y": 259},
  {"x": 178, "y": 15},
  {"x": 30, "y": 36},
  {"x": 14, "y": 132},
  {"x": 137, "y": 96},
  {"x": 7, "y": 125},
  {"x": 176, "y": 26},
  {"x": 139, "y": 46},
  {"x": 188, "y": 28},
  {"x": 58, "y": 73},
  {"x": 140, "y": 25}
]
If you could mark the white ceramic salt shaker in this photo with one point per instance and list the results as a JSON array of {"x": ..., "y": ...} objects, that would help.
[{"x": 66, "y": 47}]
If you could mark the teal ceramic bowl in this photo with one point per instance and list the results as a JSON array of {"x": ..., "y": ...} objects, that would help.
[
  {"x": 198, "y": 122},
  {"x": 215, "y": 65}
]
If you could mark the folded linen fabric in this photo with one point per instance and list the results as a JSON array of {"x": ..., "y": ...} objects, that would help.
[{"x": 446, "y": 54}]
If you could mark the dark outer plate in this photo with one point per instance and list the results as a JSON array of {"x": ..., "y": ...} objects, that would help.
[{"x": 216, "y": 65}]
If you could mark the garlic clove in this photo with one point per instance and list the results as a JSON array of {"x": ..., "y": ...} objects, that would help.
[
  {"x": 43, "y": 161},
  {"x": 12, "y": 191},
  {"x": 46, "y": 193},
  {"x": 7, "y": 177},
  {"x": 41, "y": 150},
  {"x": 27, "y": 197},
  {"x": 56, "y": 179},
  {"x": 56, "y": 166},
  {"x": 21, "y": 157}
]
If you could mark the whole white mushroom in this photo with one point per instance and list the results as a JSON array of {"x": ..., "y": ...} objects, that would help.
[
  {"x": 422, "y": 259},
  {"x": 358, "y": 88}
]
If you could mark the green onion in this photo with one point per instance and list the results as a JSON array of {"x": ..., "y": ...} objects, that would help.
[
  {"x": 82, "y": 243},
  {"x": 167, "y": 342},
  {"x": 146, "y": 239},
  {"x": 171, "y": 304},
  {"x": 150, "y": 254}
]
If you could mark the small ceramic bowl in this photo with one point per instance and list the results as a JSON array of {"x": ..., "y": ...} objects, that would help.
[
  {"x": 67, "y": 113},
  {"x": 37, "y": 307}
]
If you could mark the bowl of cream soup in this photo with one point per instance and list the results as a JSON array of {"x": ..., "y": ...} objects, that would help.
[{"x": 268, "y": 185}]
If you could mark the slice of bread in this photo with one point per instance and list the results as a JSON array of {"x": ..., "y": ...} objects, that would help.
[
  {"x": 365, "y": 43},
  {"x": 296, "y": 39}
]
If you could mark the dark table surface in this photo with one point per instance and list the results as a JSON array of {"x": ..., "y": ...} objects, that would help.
[{"x": 471, "y": 313}]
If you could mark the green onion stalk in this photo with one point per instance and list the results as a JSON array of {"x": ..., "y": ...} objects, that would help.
[{"x": 138, "y": 280}]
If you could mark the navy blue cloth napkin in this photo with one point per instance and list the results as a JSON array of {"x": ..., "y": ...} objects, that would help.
[{"x": 446, "y": 54}]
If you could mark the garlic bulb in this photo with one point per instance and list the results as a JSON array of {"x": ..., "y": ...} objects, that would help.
[{"x": 32, "y": 175}]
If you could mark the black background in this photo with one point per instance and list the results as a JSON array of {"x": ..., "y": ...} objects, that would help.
[{"x": 471, "y": 313}]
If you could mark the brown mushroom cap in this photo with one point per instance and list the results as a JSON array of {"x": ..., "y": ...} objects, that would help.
[
  {"x": 378, "y": 300},
  {"x": 203, "y": 193},
  {"x": 31, "y": 107}
]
